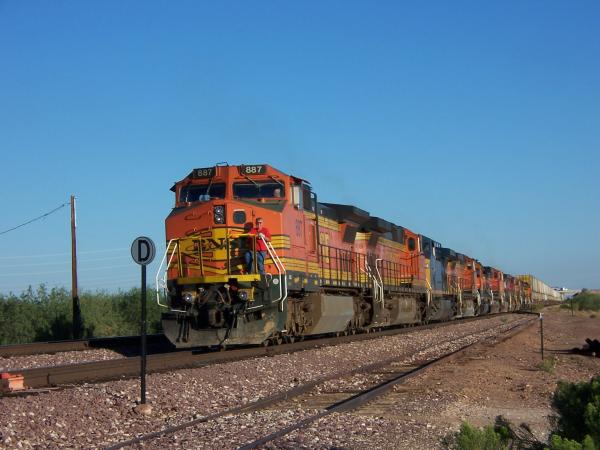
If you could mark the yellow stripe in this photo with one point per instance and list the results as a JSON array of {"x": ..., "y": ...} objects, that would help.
[
  {"x": 324, "y": 222},
  {"x": 381, "y": 240},
  {"x": 217, "y": 279}
]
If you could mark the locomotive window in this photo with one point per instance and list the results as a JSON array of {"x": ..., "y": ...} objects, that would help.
[
  {"x": 307, "y": 200},
  {"x": 411, "y": 244},
  {"x": 239, "y": 216},
  {"x": 202, "y": 192},
  {"x": 258, "y": 190}
]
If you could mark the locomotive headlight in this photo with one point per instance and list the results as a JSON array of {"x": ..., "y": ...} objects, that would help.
[
  {"x": 219, "y": 214},
  {"x": 188, "y": 297},
  {"x": 243, "y": 295}
]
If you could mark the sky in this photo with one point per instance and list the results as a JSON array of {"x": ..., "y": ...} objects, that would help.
[{"x": 474, "y": 123}]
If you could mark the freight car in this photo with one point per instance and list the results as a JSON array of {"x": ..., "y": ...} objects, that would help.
[
  {"x": 540, "y": 291},
  {"x": 328, "y": 268}
]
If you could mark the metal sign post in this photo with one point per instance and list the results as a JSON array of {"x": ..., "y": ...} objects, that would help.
[
  {"x": 542, "y": 334},
  {"x": 143, "y": 251}
]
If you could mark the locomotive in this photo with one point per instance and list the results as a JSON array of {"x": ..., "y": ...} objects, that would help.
[{"x": 328, "y": 268}]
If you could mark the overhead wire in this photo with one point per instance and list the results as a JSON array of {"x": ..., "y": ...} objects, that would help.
[
  {"x": 67, "y": 254},
  {"x": 80, "y": 261},
  {"x": 33, "y": 220},
  {"x": 65, "y": 271}
]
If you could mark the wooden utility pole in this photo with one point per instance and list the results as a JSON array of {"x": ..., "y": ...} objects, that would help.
[{"x": 75, "y": 295}]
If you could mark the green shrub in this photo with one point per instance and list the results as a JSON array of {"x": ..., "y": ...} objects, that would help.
[
  {"x": 41, "y": 314},
  {"x": 558, "y": 443},
  {"x": 547, "y": 365},
  {"x": 584, "y": 301},
  {"x": 471, "y": 438},
  {"x": 578, "y": 408}
]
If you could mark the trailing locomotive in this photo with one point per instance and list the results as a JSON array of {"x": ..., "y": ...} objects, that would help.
[{"x": 328, "y": 268}]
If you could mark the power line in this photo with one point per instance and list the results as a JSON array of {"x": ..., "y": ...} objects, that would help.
[
  {"x": 117, "y": 266},
  {"x": 65, "y": 254},
  {"x": 62, "y": 262},
  {"x": 33, "y": 220}
]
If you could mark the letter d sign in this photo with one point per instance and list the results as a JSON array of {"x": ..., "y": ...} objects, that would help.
[{"x": 143, "y": 250}]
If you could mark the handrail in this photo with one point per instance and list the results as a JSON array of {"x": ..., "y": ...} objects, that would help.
[
  {"x": 478, "y": 296},
  {"x": 428, "y": 293},
  {"x": 281, "y": 270},
  {"x": 242, "y": 235},
  {"x": 381, "y": 288},
  {"x": 164, "y": 281},
  {"x": 376, "y": 289}
]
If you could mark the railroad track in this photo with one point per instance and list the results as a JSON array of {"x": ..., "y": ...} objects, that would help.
[
  {"x": 111, "y": 343},
  {"x": 391, "y": 371},
  {"x": 107, "y": 370}
]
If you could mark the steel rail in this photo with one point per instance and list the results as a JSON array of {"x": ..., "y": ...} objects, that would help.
[
  {"x": 106, "y": 370},
  {"x": 38, "y": 348},
  {"x": 368, "y": 395},
  {"x": 274, "y": 399}
]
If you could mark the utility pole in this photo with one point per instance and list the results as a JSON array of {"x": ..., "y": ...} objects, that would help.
[{"x": 75, "y": 295}]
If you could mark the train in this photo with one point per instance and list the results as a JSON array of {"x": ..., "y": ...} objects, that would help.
[{"x": 319, "y": 268}]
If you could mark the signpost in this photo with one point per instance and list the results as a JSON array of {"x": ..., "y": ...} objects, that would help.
[
  {"x": 542, "y": 335},
  {"x": 143, "y": 251}
]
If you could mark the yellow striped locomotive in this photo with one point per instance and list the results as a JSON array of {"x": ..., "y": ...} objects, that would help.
[{"x": 329, "y": 268}]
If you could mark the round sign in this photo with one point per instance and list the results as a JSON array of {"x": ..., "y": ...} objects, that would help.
[{"x": 143, "y": 250}]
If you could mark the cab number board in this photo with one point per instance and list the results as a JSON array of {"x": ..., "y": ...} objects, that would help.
[
  {"x": 253, "y": 170},
  {"x": 206, "y": 172}
]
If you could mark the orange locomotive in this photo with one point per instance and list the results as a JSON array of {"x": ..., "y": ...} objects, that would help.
[{"x": 328, "y": 268}]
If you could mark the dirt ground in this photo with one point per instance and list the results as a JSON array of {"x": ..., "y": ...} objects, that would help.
[{"x": 485, "y": 382}]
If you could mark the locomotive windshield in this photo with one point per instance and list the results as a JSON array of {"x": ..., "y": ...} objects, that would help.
[
  {"x": 202, "y": 192},
  {"x": 258, "y": 189}
]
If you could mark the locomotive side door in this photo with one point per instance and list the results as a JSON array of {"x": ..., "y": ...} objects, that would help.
[{"x": 305, "y": 204}]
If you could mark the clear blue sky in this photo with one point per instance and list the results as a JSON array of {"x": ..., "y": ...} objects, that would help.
[{"x": 475, "y": 123}]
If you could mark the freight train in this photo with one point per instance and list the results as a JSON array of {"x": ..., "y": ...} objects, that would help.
[{"x": 328, "y": 268}]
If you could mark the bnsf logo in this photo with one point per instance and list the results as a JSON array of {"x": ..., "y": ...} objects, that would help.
[{"x": 212, "y": 244}]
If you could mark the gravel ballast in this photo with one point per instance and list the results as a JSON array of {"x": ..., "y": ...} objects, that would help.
[
  {"x": 57, "y": 359},
  {"x": 95, "y": 416}
]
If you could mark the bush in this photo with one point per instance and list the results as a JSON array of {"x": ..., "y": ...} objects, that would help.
[
  {"x": 576, "y": 424},
  {"x": 547, "y": 365},
  {"x": 578, "y": 408},
  {"x": 558, "y": 443},
  {"x": 584, "y": 301},
  {"x": 471, "y": 438},
  {"x": 42, "y": 314}
]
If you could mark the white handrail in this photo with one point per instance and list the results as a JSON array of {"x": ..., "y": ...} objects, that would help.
[
  {"x": 163, "y": 285},
  {"x": 281, "y": 271},
  {"x": 381, "y": 290},
  {"x": 477, "y": 295},
  {"x": 376, "y": 288},
  {"x": 429, "y": 292},
  {"x": 164, "y": 281}
]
